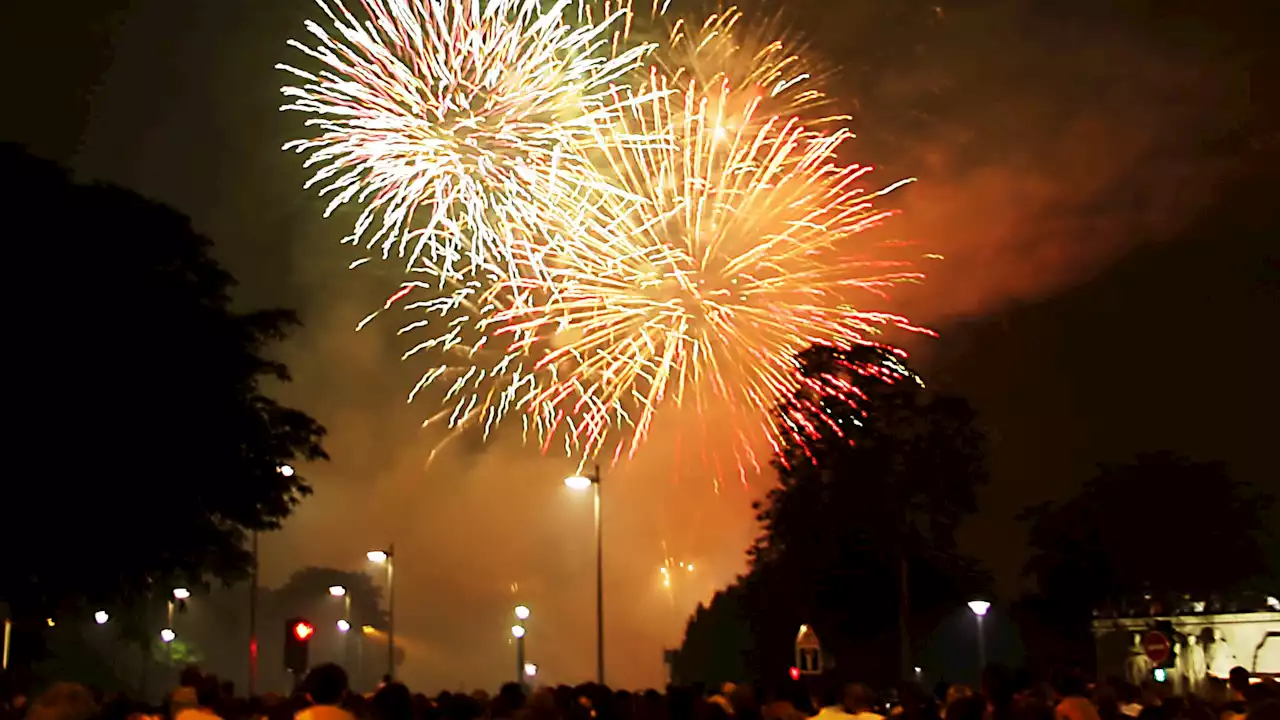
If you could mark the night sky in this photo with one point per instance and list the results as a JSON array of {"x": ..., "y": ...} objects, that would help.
[{"x": 1095, "y": 174}]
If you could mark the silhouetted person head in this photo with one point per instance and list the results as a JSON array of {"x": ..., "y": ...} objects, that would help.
[
  {"x": 190, "y": 676},
  {"x": 208, "y": 692},
  {"x": 857, "y": 698},
  {"x": 327, "y": 684},
  {"x": 1239, "y": 679},
  {"x": 392, "y": 702}
]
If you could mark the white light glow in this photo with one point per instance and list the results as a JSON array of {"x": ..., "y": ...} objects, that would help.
[
  {"x": 337, "y": 590},
  {"x": 377, "y": 556},
  {"x": 522, "y": 612},
  {"x": 979, "y": 607},
  {"x": 343, "y": 626},
  {"x": 577, "y": 482},
  {"x": 168, "y": 635},
  {"x": 101, "y": 617},
  {"x": 517, "y": 631}
]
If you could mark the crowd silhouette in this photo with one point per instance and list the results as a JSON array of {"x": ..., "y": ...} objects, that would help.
[{"x": 1004, "y": 695}]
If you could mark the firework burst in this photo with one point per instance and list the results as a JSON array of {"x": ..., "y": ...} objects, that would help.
[
  {"x": 727, "y": 244},
  {"x": 448, "y": 119}
]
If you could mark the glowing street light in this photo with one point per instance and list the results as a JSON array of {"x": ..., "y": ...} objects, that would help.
[
  {"x": 522, "y": 612},
  {"x": 343, "y": 626},
  {"x": 101, "y": 617},
  {"x": 285, "y": 470},
  {"x": 181, "y": 593},
  {"x": 337, "y": 591},
  {"x": 388, "y": 557},
  {"x": 581, "y": 483},
  {"x": 979, "y": 609},
  {"x": 517, "y": 631},
  {"x": 167, "y": 635},
  {"x": 530, "y": 670}
]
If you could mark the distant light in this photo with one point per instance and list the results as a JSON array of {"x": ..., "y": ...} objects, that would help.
[
  {"x": 377, "y": 556},
  {"x": 50, "y": 622},
  {"x": 918, "y": 669},
  {"x": 1273, "y": 603},
  {"x": 1160, "y": 674},
  {"x": 369, "y": 630},
  {"x": 337, "y": 590},
  {"x": 577, "y": 482},
  {"x": 522, "y": 612},
  {"x": 804, "y": 629},
  {"x": 101, "y": 617},
  {"x": 530, "y": 670},
  {"x": 690, "y": 567},
  {"x": 167, "y": 635},
  {"x": 343, "y": 626},
  {"x": 979, "y": 607},
  {"x": 794, "y": 672},
  {"x": 517, "y": 631},
  {"x": 285, "y": 470},
  {"x": 181, "y": 593}
]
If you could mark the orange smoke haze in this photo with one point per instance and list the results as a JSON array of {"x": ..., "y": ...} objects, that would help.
[{"x": 1044, "y": 149}]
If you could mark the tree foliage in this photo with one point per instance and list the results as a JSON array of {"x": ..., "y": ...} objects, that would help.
[
  {"x": 888, "y": 471},
  {"x": 138, "y": 403},
  {"x": 1162, "y": 527}
]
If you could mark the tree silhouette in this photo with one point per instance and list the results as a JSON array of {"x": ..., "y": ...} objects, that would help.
[
  {"x": 880, "y": 488},
  {"x": 863, "y": 521},
  {"x": 138, "y": 406},
  {"x": 717, "y": 645},
  {"x": 1145, "y": 536}
]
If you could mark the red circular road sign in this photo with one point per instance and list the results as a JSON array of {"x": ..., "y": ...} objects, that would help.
[{"x": 1156, "y": 646}]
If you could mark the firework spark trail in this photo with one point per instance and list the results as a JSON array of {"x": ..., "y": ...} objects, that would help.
[
  {"x": 752, "y": 59},
  {"x": 722, "y": 253},
  {"x": 448, "y": 119}
]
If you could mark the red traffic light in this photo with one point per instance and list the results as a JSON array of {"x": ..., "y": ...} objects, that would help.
[
  {"x": 795, "y": 673},
  {"x": 303, "y": 630}
]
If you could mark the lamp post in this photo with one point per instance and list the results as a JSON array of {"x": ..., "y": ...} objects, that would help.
[
  {"x": 979, "y": 609},
  {"x": 518, "y": 631},
  {"x": 344, "y": 623},
  {"x": 582, "y": 482},
  {"x": 388, "y": 557},
  {"x": 179, "y": 594}
]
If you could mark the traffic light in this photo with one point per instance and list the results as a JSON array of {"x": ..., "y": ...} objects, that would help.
[{"x": 297, "y": 644}]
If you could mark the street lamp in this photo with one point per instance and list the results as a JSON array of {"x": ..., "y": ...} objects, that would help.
[
  {"x": 101, "y": 617},
  {"x": 286, "y": 470},
  {"x": 530, "y": 670},
  {"x": 388, "y": 558},
  {"x": 167, "y": 635},
  {"x": 979, "y": 609},
  {"x": 181, "y": 593},
  {"x": 580, "y": 483},
  {"x": 344, "y": 624},
  {"x": 522, "y": 614}
]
